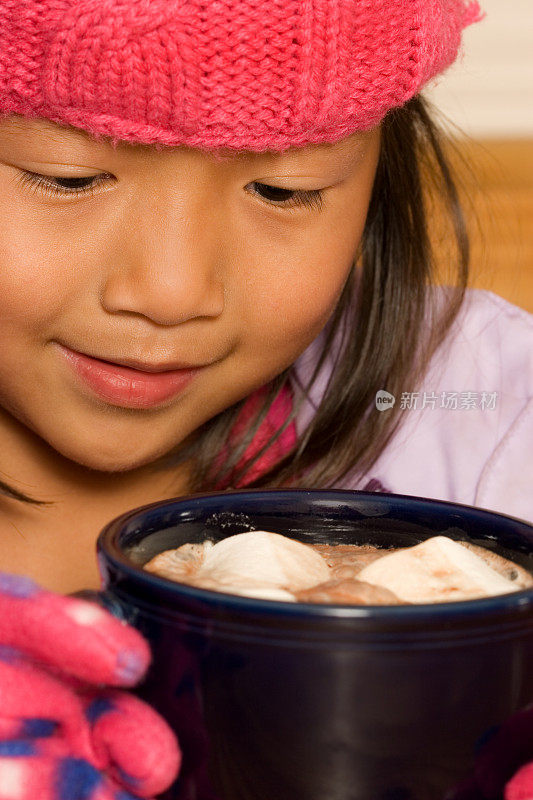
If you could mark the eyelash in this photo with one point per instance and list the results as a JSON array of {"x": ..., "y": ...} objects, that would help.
[
  {"x": 309, "y": 198},
  {"x": 43, "y": 184}
]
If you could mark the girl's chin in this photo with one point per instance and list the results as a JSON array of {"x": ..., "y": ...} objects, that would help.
[{"x": 113, "y": 457}]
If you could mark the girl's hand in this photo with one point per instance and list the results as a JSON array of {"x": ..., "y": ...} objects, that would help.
[
  {"x": 521, "y": 786},
  {"x": 63, "y": 734}
]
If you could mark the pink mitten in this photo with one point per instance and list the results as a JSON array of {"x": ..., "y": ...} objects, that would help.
[
  {"x": 64, "y": 734},
  {"x": 520, "y": 787}
]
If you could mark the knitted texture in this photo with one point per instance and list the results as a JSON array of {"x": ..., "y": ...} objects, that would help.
[
  {"x": 65, "y": 732},
  {"x": 521, "y": 786},
  {"x": 241, "y": 74}
]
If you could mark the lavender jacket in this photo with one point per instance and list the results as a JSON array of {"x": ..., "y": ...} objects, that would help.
[{"x": 467, "y": 434}]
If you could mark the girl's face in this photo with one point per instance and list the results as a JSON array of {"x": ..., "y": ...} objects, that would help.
[{"x": 168, "y": 257}]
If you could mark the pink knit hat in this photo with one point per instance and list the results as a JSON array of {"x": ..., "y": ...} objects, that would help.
[{"x": 245, "y": 74}]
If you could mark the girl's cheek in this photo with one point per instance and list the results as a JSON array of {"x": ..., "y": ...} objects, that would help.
[
  {"x": 302, "y": 303},
  {"x": 293, "y": 293},
  {"x": 300, "y": 264},
  {"x": 35, "y": 271}
]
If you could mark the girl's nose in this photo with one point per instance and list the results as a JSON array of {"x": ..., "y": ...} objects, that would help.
[{"x": 167, "y": 276}]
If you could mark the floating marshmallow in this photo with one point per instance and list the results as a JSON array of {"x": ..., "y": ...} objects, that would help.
[
  {"x": 436, "y": 570},
  {"x": 260, "y": 592},
  {"x": 179, "y": 564},
  {"x": 258, "y": 562}
]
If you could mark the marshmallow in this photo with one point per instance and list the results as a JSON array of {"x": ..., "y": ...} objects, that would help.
[
  {"x": 180, "y": 564},
  {"x": 261, "y": 592},
  {"x": 258, "y": 562},
  {"x": 436, "y": 570}
]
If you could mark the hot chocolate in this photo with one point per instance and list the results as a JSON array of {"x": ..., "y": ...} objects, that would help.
[{"x": 274, "y": 567}]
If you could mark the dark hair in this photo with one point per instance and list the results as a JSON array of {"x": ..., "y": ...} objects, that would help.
[{"x": 386, "y": 304}]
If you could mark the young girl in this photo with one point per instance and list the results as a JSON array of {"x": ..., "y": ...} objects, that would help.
[{"x": 218, "y": 270}]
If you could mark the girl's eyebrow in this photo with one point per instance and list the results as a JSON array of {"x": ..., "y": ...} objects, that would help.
[
  {"x": 45, "y": 138},
  {"x": 26, "y": 127},
  {"x": 342, "y": 156}
]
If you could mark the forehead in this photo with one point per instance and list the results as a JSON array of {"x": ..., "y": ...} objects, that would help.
[{"x": 30, "y": 130}]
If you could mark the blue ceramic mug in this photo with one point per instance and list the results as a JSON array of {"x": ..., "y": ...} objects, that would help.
[{"x": 295, "y": 701}]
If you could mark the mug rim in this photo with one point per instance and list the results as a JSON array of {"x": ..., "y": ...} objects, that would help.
[{"x": 504, "y": 604}]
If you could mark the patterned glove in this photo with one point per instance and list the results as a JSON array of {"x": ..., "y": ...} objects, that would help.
[{"x": 64, "y": 733}]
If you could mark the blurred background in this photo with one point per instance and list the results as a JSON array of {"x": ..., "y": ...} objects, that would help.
[{"x": 488, "y": 94}]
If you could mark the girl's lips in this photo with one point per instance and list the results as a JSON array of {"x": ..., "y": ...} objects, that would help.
[{"x": 126, "y": 387}]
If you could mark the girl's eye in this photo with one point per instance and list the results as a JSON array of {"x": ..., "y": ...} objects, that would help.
[
  {"x": 54, "y": 186},
  {"x": 289, "y": 198}
]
